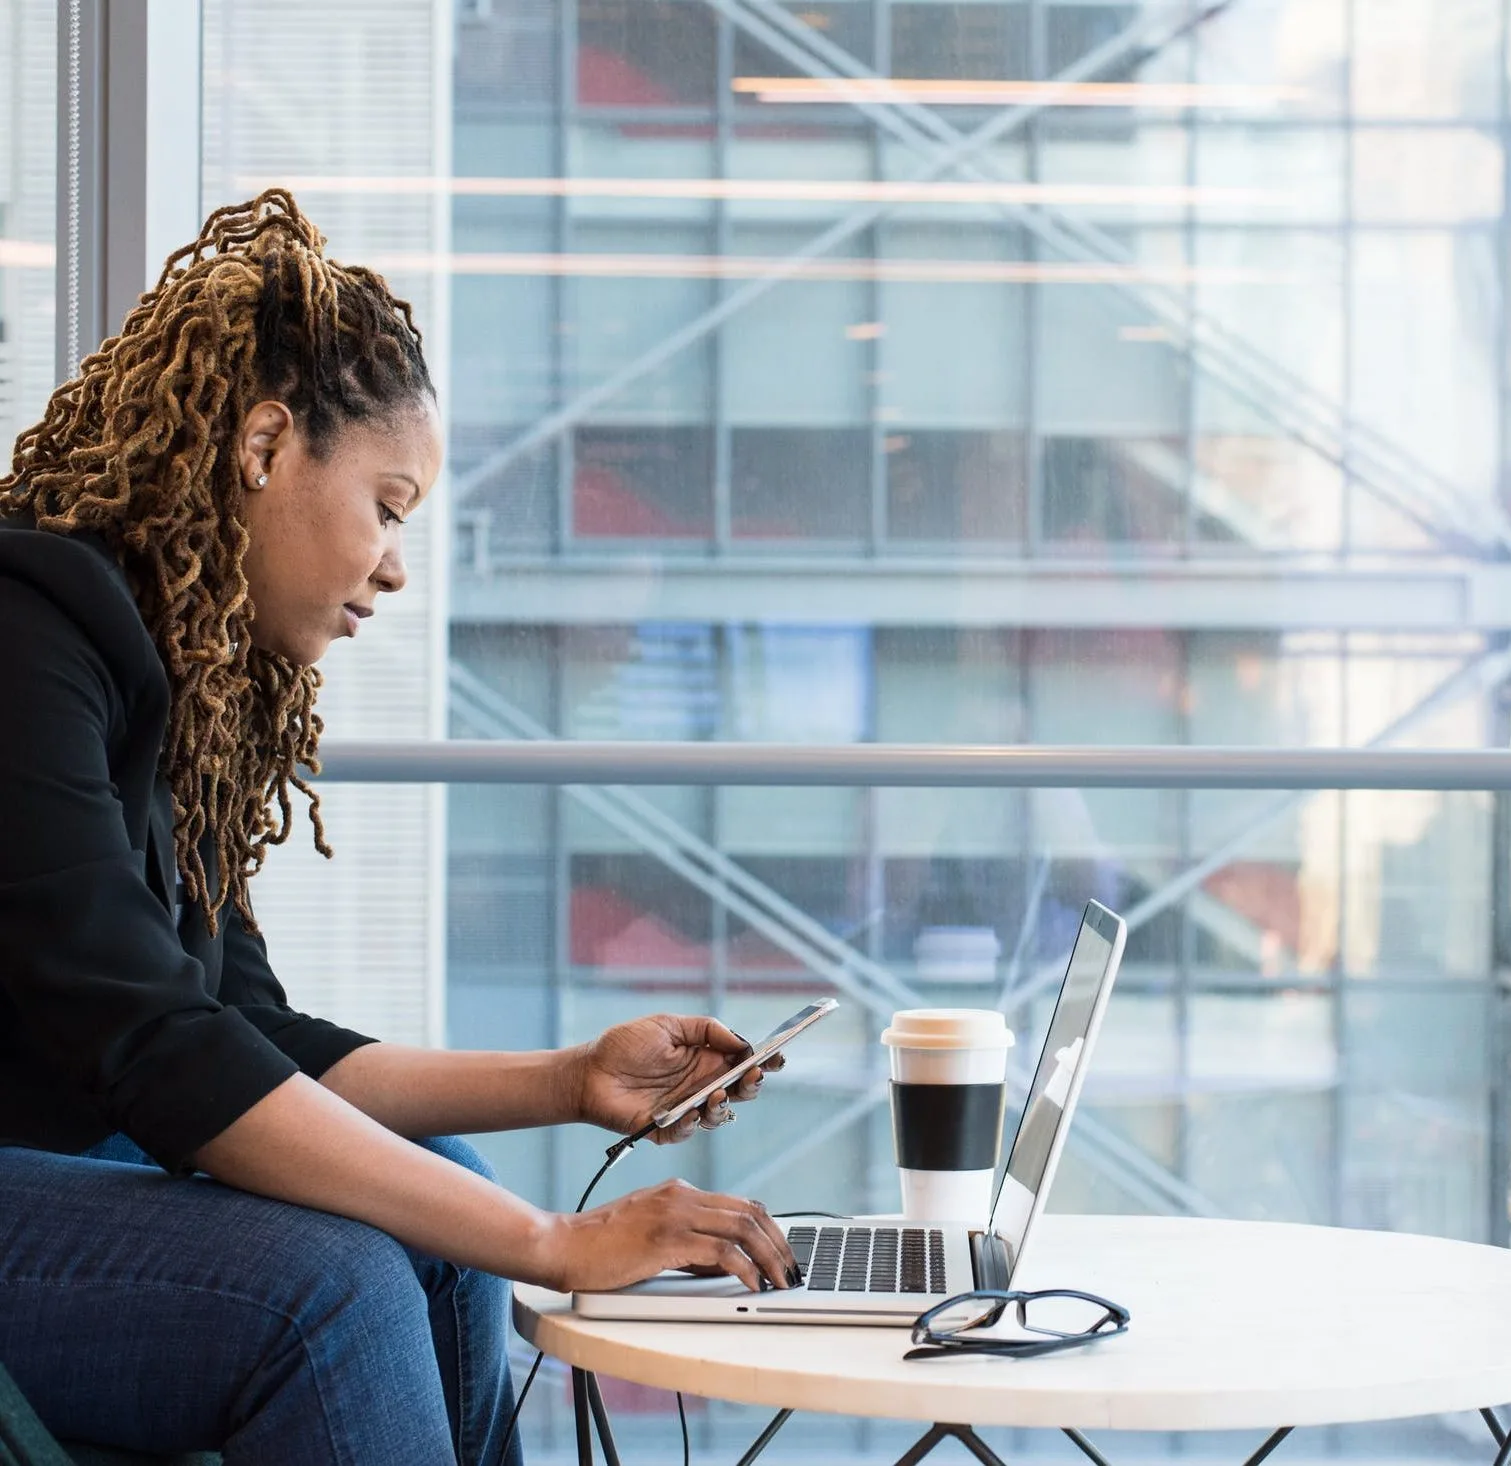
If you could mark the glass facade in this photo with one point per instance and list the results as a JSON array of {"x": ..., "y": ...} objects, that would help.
[
  {"x": 931, "y": 415},
  {"x": 821, "y": 375},
  {"x": 891, "y": 371},
  {"x": 28, "y": 95}
]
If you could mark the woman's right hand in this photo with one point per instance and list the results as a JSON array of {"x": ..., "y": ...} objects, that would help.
[{"x": 670, "y": 1225}]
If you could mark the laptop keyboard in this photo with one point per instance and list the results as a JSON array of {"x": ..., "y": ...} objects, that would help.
[{"x": 869, "y": 1259}]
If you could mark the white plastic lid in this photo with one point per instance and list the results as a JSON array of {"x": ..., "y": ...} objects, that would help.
[{"x": 948, "y": 1028}]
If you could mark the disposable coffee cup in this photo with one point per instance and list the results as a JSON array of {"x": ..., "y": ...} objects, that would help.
[{"x": 949, "y": 1091}]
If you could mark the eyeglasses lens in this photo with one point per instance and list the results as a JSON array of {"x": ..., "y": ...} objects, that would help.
[
  {"x": 1061, "y": 1315},
  {"x": 964, "y": 1314}
]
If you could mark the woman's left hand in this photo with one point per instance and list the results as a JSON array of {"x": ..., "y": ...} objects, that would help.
[{"x": 633, "y": 1070}]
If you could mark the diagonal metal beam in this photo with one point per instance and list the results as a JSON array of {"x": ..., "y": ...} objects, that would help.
[
  {"x": 1076, "y": 239},
  {"x": 1264, "y": 384},
  {"x": 1026, "y": 932},
  {"x": 1245, "y": 380},
  {"x": 942, "y": 159},
  {"x": 708, "y": 869},
  {"x": 795, "y": 932},
  {"x": 1485, "y": 671}
]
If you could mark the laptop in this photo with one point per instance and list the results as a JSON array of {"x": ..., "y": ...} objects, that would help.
[{"x": 875, "y": 1271}]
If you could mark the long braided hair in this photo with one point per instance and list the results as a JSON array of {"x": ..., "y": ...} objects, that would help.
[{"x": 140, "y": 449}]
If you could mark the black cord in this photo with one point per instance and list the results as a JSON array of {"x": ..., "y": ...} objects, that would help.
[
  {"x": 519, "y": 1405},
  {"x": 614, "y": 1154},
  {"x": 612, "y": 1157}
]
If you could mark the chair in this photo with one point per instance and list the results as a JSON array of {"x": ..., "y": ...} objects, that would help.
[{"x": 25, "y": 1441}]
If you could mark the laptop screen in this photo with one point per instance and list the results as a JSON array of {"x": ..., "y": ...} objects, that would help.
[{"x": 1072, "y": 1031}]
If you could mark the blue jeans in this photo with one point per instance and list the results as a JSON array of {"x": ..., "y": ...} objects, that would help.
[{"x": 165, "y": 1315}]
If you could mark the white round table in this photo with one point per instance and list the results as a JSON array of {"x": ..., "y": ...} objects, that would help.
[{"x": 1236, "y": 1325}]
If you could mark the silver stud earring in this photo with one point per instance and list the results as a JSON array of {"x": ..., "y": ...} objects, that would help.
[{"x": 262, "y": 480}]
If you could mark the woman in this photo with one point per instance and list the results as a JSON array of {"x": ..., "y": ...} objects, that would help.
[{"x": 219, "y": 495}]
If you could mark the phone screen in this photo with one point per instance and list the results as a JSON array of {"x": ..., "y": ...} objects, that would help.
[{"x": 787, "y": 1029}]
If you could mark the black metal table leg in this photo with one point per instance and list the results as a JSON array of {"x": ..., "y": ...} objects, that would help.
[
  {"x": 601, "y": 1420},
  {"x": 1086, "y": 1448},
  {"x": 1502, "y": 1436},
  {"x": 1269, "y": 1445},
  {"x": 922, "y": 1446},
  {"x": 763, "y": 1440},
  {"x": 580, "y": 1411},
  {"x": 1091, "y": 1453},
  {"x": 962, "y": 1433},
  {"x": 976, "y": 1446},
  {"x": 589, "y": 1411}
]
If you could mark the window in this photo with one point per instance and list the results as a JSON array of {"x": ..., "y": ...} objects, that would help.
[
  {"x": 775, "y": 419},
  {"x": 28, "y": 214},
  {"x": 972, "y": 41},
  {"x": 647, "y": 483},
  {"x": 644, "y": 54},
  {"x": 800, "y": 483},
  {"x": 956, "y": 488},
  {"x": 1110, "y": 492}
]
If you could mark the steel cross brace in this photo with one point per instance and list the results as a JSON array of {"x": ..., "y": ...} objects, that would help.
[
  {"x": 586, "y": 1399},
  {"x": 984, "y": 1453},
  {"x": 588, "y": 1406},
  {"x": 1502, "y": 1439}
]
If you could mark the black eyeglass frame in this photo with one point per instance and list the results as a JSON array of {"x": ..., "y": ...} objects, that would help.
[{"x": 1115, "y": 1319}]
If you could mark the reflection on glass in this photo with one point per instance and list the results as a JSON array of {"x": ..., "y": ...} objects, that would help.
[
  {"x": 953, "y": 919},
  {"x": 1150, "y": 419},
  {"x": 1049, "y": 1091},
  {"x": 829, "y": 889},
  {"x": 799, "y": 483},
  {"x": 1104, "y": 491},
  {"x": 1442, "y": 176},
  {"x": 644, "y": 54},
  {"x": 956, "y": 487},
  {"x": 842, "y": 23},
  {"x": 1430, "y": 296},
  {"x": 28, "y": 214},
  {"x": 1299, "y": 44},
  {"x": 799, "y": 684},
  {"x": 628, "y": 912},
  {"x": 649, "y": 483},
  {"x": 969, "y": 41},
  {"x": 1429, "y": 58}
]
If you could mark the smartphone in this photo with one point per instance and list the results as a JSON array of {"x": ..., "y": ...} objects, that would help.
[{"x": 787, "y": 1029}]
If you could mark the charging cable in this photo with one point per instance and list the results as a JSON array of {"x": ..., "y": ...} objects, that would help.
[{"x": 615, "y": 1153}]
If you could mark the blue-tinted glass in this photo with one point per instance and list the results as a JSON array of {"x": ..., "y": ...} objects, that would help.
[{"x": 1164, "y": 409}]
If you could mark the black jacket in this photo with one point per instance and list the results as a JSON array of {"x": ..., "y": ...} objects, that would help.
[{"x": 111, "y": 1017}]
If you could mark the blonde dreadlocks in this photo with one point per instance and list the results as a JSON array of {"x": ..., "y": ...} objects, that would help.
[{"x": 139, "y": 449}]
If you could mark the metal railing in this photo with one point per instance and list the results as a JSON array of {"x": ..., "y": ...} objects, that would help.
[
  {"x": 464, "y": 761},
  {"x": 595, "y": 775}
]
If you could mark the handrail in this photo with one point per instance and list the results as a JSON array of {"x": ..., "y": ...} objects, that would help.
[{"x": 894, "y": 765}]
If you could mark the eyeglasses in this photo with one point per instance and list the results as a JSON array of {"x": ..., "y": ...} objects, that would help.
[{"x": 1062, "y": 1317}]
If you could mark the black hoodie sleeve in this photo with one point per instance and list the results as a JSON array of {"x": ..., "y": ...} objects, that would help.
[
  {"x": 247, "y": 982},
  {"x": 94, "y": 983}
]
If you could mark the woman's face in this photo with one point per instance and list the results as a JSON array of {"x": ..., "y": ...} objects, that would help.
[{"x": 326, "y": 530}]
